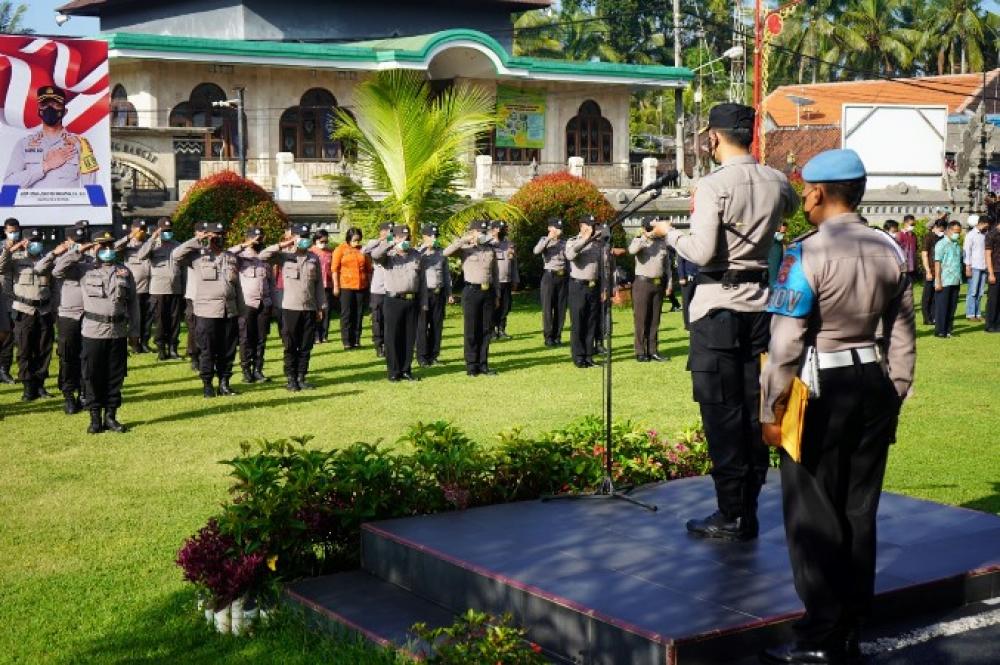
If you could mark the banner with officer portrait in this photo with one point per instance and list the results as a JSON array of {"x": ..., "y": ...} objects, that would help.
[
  {"x": 520, "y": 118},
  {"x": 55, "y": 140}
]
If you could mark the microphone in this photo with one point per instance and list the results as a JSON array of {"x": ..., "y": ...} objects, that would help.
[{"x": 657, "y": 184}]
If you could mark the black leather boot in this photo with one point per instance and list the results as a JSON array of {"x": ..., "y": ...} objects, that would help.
[
  {"x": 96, "y": 423},
  {"x": 248, "y": 376},
  {"x": 259, "y": 376},
  {"x": 161, "y": 354},
  {"x": 292, "y": 385},
  {"x": 174, "y": 355},
  {"x": 30, "y": 393},
  {"x": 303, "y": 384},
  {"x": 718, "y": 525},
  {"x": 111, "y": 422},
  {"x": 72, "y": 405},
  {"x": 41, "y": 391},
  {"x": 208, "y": 390},
  {"x": 5, "y": 376},
  {"x": 224, "y": 389}
]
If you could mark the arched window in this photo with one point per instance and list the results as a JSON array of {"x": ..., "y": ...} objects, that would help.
[
  {"x": 589, "y": 135},
  {"x": 305, "y": 130},
  {"x": 122, "y": 111},
  {"x": 199, "y": 111}
]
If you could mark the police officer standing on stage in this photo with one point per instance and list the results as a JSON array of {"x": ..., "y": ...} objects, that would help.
[
  {"x": 377, "y": 290},
  {"x": 68, "y": 271},
  {"x": 434, "y": 296},
  {"x": 30, "y": 271},
  {"x": 401, "y": 261},
  {"x": 218, "y": 303},
  {"x": 584, "y": 255},
  {"x": 256, "y": 282},
  {"x": 477, "y": 249},
  {"x": 302, "y": 303},
  {"x": 554, "y": 288},
  {"x": 130, "y": 248},
  {"x": 110, "y": 316},
  {"x": 651, "y": 277},
  {"x": 165, "y": 288},
  {"x": 507, "y": 278},
  {"x": 844, "y": 291},
  {"x": 735, "y": 212}
]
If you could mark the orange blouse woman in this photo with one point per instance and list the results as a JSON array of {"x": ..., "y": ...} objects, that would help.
[{"x": 351, "y": 271}]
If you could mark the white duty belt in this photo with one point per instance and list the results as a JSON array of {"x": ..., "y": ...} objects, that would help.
[{"x": 845, "y": 358}]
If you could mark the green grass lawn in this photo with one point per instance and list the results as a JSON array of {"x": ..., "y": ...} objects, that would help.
[{"x": 89, "y": 526}]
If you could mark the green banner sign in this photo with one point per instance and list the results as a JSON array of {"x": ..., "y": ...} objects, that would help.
[{"x": 520, "y": 118}]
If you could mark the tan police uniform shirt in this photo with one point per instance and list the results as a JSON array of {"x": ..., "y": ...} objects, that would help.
[
  {"x": 735, "y": 211},
  {"x": 217, "y": 293},
  {"x": 137, "y": 261},
  {"x": 256, "y": 279},
  {"x": 434, "y": 267},
  {"x": 109, "y": 291},
  {"x": 507, "y": 272},
  {"x": 651, "y": 256},
  {"x": 402, "y": 268},
  {"x": 68, "y": 271},
  {"x": 164, "y": 276},
  {"x": 478, "y": 260},
  {"x": 858, "y": 276},
  {"x": 25, "y": 166},
  {"x": 378, "y": 272},
  {"x": 553, "y": 253},
  {"x": 302, "y": 277},
  {"x": 584, "y": 258},
  {"x": 31, "y": 280}
]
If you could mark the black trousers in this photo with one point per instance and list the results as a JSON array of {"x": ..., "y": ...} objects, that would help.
[
  {"x": 724, "y": 361},
  {"x": 352, "y": 309},
  {"x": 400, "y": 334},
  {"x": 167, "y": 311},
  {"x": 687, "y": 293},
  {"x": 647, "y": 304},
  {"x": 68, "y": 347},
  {"x": 254, "y": 326},
  {"x": 993, "y": 307},
  {"x": 105, "y": 365},
  {"x": 505, "y": 300},
  {"x": 191, "y": 321},
  {"x": 217, "y": 340},
  {"x": 323, "y": 325},
  {"x": 146, "y": 315},
  {"x": 7, "y": 349},
  {"x": 33, "y": 338},
  {"x": 554, "y": 293},
  {"x": 672, "y": 297},
  {"x": 298, "y": 334},
  {"x": 477, "y": 311},
  {"x": 945, "y": 302},
  {"x": 378, "y": 321},
  {"x": 585, "y": 318},
  {"x": 927, "y": 303},
  {"x": 430, "y": 326},
  {"x": 831, "y": 497}
]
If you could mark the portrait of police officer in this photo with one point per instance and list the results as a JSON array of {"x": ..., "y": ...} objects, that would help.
[
  {"x": 435, "y": 295},
  {"x": 735, "y": 212},
  {"x": 302, "y": 302},
  {"x": 377, "y": 290},
  {"x": 554, "y": 288},
  {"x": 110, "y": 316},
  {"x": 11, "y": 235},
  {"x": 507, "y": 278},
  {"x": 477, "y": 248},
  {"x": 652, "y": 276},
  {"x": 165, "y": 288},
  {"x": 403, "y": 277},
  {"x": 257, "y": 284},
  {"x": 844, "y": 291},
  {"x": 76, "y": 257},
  {"x": 583, "y": 252},
  {"x": 131, "y": 249},
  {"x": 29, "y": 269},
  {"x": 52, "y": 157},
  {"x": 218, "y": 304}
]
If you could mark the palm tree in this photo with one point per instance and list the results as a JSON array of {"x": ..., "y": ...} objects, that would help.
[
  {"x": 873, "y": 40},
  {"x": 572, "y": 34},
  {"x": 11, "y": 18},
  {"x": 410, "y": 145},
  {"x": 808, "y": 44},
  {"x": 536, "y": 33},
  {"x": 958, "y": 32}
]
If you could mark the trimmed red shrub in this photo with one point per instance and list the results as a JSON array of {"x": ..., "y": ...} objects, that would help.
[{"x": 234, "y": 201}]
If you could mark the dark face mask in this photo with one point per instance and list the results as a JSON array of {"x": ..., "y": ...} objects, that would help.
[
  {"x": 215, "y": 241},
  {"x": 51, "y": 116}
]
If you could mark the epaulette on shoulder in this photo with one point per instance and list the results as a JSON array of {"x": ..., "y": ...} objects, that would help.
[{"x": 808, "y": 234}]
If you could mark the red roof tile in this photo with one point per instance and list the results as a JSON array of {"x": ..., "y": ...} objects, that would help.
[{"x": 803, "y": 143}]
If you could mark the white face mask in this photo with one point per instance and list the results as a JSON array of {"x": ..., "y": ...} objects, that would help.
[{"x": 939, "y": 234}]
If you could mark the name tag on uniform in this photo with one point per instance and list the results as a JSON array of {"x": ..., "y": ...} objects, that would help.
[
  {"x": 560, "y": 273},
  {"x": 484, "y": 287},
  {"x": 592, "y": 283},
  {"x": 656, "y": 281}
]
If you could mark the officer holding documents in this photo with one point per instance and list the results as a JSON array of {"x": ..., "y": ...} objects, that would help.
[
  {"x": 52, "y": 157},
  {"x": 477, "y": 248},
  {"x": 735, "y": 212},
  {"x": 837, "y": 289}
]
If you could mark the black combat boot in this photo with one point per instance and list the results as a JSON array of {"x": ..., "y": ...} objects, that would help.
[
  {"x": 96, "y": 423},
  {"x": 30, "y": 393},
  {"x": 72, "y": 405},
  {"x": 5, "y": 376},
  {"x": 161, "y": 354},
  {"x": 224, "y": 389},
  {"x": 208, "y": 390},
  {"x": 303, "y": 384},
  {"x": 292, "y": 385},
  {"x": 718, "y": 525},
  {"x": 41, "y": 391},
  {"x": 174, "y": 355},
  {"x": 248, "y": 376},
  {"x": 111, "y": 422}
]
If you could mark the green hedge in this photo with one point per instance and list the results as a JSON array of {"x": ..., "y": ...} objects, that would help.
[{"x": 237, "y": 202}]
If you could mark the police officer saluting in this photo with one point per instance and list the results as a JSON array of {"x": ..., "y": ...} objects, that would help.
[
  {"x": 377, "y": 291},
  {"x": 110, "y": 316},
  {"x": 554, "y": 288},
  {"x": 68, "y": 271},
  {"x": 30, "y": 272},
  {"x": 651, "y": 276},
  {"x": 507, "y": 278},
  {"x": 302, "y": 303},
  {"x": 434, "y": 296},
  {"x": 402, "y": 291},
  {"x": 164, "y": 288},
  {"x": 735, "y": 212},
  {"x": 837, "y": 288},
  {"x": 130, "y": 248},
  {"x": 255, "y": 321},
  {"x": 584, "y": 255},
  {"x": 218, "y": 303},
  {"x": 477, "y": 249}
]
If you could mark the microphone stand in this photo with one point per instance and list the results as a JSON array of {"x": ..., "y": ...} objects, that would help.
[{"x": 607, "y": 489}]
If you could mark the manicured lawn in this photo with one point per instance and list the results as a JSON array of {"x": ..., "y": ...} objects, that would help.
[{"x": 90, "y": 525}]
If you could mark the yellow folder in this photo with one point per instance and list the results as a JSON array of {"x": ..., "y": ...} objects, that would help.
[{"x": 793, "y": 416}]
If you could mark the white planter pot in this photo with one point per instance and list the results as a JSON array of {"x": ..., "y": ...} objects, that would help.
[
  {"x": 209, "y": 615},
  {"x": 237, "y": 621},
  {"x": 223, "y": 620}
]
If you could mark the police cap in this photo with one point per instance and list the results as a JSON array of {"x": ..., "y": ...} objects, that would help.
[
  {"x": 555, "y": 223},
  {"x": 140, "y": 223},
  {"x": 165, "y": 224},
  {"x": 385, "y": 226},
  {"x": 731, "y": 117},
  {"x": 431, "y": 230},
  {"x": 589, "y": 220},
  {"x": 104, "y": 238},
  {"x": 34, "y": 235},
  {"x": 255, "y": 232},
  {"x": 51, "y": 93},
  {"x": 212, "y": 227},
  {"x": 81, "y": 230},
  {"x": 498, "y": 224},
  {"x": 834, "y": 166},
  {"x": 301, "y": 230},
  {"x": 401, "y": 230},
  {"x": 479, "y": 225}
]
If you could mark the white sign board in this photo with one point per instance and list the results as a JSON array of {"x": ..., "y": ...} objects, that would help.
[{"x": 898, "y": 143}]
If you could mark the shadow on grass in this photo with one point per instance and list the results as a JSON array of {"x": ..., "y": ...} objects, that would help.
[
  {"x": 989, "y": 503},
  {"x": 230, "y": 405},
  {"x": 172, "y": 631}
]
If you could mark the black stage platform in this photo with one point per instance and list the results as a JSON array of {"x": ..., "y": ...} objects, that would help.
[{"x": 605, "y": 582}]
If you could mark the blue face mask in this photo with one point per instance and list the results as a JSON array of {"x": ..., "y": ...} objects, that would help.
[
  {"x": 107, "y": 255},
  {"x": 404, "y": 245},
  {"x": 35, "y": 248},
  {"x": 167, "y": 235},
  {"x": 304, "y": 243},
  {"x": 14, "y": 236},
  {"x": 484, "y": 238}
]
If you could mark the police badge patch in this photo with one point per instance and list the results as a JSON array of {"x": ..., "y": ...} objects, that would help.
[{"x": 791, "y": 294}]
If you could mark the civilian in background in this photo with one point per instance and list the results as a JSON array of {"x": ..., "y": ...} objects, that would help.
[
  {"x": 351, "y": 270},
  {"x": 947, "y": 279},
  {"x": 974, "y": 256},
  {"x": 777, "y": 252},
  {"x": 907, "y": 239},
  {"x": 992, "y": 252},
  {"x": 935, "y": 234},
  {"x": 321, "y": 248}
]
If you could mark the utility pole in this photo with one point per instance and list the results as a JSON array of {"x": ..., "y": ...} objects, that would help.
[
  {"x": 738, "y": 69},
  {"x": 241, "y": 130},
  {"x": 679, "y": 94}
]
